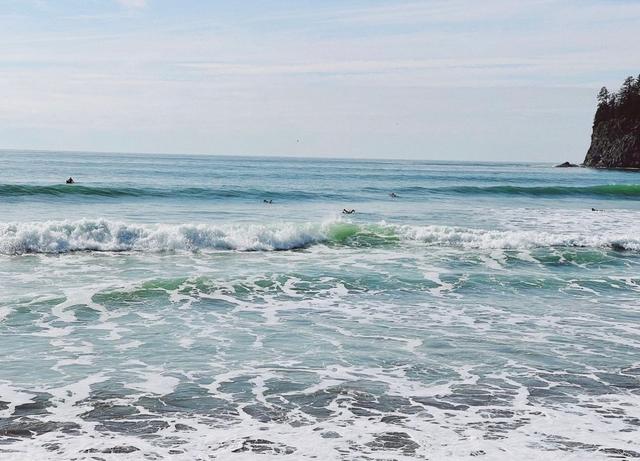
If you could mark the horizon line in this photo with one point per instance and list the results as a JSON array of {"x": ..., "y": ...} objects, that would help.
[{"x": 265, "y": 155}]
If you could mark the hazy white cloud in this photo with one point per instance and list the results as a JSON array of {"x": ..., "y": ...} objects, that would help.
[
  {"x": 133, "y": 3},
  {"x": 347, "y": 67}
]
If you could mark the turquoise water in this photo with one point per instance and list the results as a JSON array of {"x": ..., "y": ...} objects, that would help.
[{"x": 159, "y": 309}]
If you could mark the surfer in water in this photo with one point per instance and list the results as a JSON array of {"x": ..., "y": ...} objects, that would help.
[
  {"x": 345, "y": 211},
  {"x": 270, "y": 201},
  {"x": 70, "y": 180},
  {"x": 393, "y": 195}
]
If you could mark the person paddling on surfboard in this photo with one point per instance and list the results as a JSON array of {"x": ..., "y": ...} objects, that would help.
[{"x": 70, "y": 180}]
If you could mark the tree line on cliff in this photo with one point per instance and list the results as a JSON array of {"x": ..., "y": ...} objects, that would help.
[{"x": 624, "y": 104}]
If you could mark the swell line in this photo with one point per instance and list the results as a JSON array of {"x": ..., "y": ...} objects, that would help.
[
  {"x": 606, "y": 190},
  {"x": 620, "y": 191},
  {"x": 77, "y": 190}
]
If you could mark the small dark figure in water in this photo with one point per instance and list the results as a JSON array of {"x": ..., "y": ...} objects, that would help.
[
  {"x": 393, "y": 195},
  {"x": 593, "y": 209},
  {"x": 268, "y": 201},
  {"x": 70, "y": 180},
  {"x": 345, "y": 211}
]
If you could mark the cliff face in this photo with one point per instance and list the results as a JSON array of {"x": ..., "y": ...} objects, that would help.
[
  {"x": 614, "y": 144},
  {"x": 615, "y": 141}
]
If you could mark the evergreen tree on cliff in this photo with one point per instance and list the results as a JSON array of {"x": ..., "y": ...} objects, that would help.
[{"x": 615, "y": 141}]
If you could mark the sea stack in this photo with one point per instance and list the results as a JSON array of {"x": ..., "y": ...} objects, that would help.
[
  {"x": 615, "y": 141},
  {"x": 567, "y": 165}
]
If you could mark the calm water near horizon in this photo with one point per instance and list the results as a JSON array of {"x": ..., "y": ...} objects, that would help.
[{"x": 160, "y": 309}]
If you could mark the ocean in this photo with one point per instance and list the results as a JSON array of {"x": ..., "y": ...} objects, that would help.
[{"x": 159, "y": 308}]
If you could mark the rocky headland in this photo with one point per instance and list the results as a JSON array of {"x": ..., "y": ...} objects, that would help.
[{"x": 615, "y": 140}]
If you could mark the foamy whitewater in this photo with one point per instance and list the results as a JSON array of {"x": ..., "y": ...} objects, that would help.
[{"x": 160, "y": 309}]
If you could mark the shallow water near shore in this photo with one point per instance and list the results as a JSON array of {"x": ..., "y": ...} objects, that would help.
[{"x": 159, "y": 309}]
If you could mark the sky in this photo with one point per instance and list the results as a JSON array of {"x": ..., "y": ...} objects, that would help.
[{"x": 434, "y": 79}]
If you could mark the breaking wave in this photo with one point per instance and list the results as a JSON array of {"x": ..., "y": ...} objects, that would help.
[{"x": 103, "y": 235}]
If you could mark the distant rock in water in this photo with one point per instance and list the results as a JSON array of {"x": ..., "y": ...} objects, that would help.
[
  {"x": 567, "y": 165},
  {"x": 615, "y": 141}
]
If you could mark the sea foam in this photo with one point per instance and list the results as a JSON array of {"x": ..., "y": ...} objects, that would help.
[{"x": 515, "y": 239}]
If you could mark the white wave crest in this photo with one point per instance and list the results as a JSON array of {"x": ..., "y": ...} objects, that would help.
[
  {"x": 104, "y": 235},
  {"x": 515, "y": 239}
]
